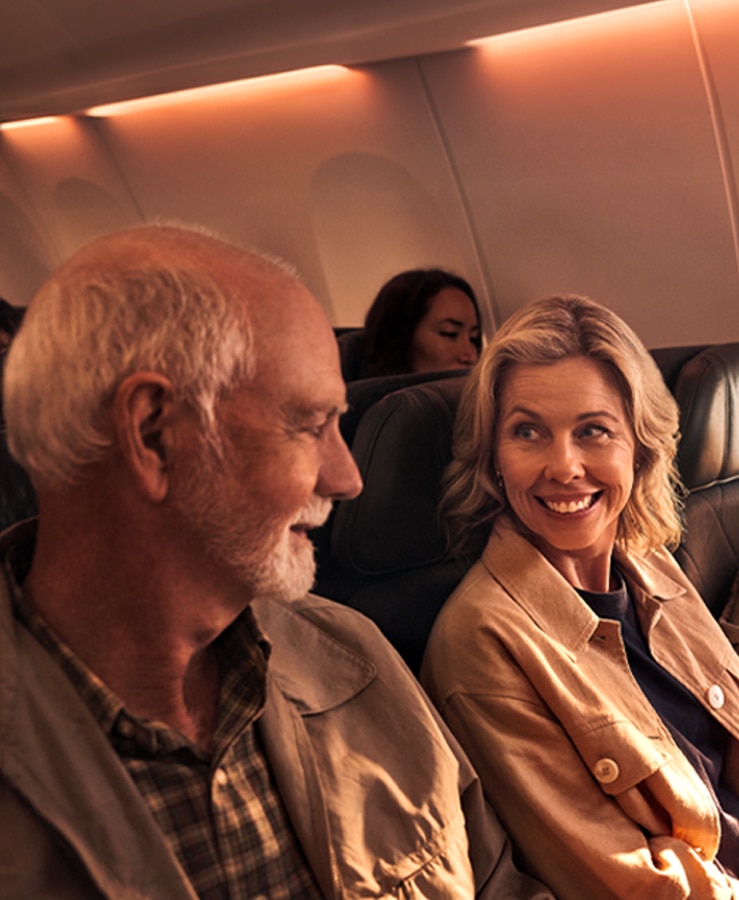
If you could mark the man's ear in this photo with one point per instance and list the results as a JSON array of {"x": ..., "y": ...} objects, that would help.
[{"x": 142, "y": 412}]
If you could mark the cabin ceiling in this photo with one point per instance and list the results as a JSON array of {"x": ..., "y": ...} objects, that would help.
[{"x": 61, "y": 56}]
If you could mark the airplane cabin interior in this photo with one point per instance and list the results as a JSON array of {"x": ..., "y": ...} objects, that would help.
[
  {"x": 585, "y": 146},
  {"x": 154, "y": 741}
]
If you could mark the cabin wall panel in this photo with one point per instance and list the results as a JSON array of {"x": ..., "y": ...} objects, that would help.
[
  {"x": 344, "y": 177},
  {"x": 717, "y": 31},
  {"x": 588, "y": 159},
  {"x": 584, "y": 156},
  {"x": 72, "y": 193},
  {"x": 26, "y": 258}
]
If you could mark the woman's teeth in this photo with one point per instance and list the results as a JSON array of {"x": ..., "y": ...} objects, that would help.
[{"x": 570, "y": 507}]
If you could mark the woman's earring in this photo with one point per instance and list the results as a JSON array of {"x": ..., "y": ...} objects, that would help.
[{"x": 499, "y": 479}]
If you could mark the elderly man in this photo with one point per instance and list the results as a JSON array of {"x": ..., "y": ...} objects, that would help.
[{"x": 176, "y": 404}]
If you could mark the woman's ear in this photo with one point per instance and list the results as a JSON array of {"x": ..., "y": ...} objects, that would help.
[{"x": 142, "y": 413}]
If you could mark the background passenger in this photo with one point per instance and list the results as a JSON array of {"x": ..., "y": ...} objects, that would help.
[
  {"x": 17, "y": 497},
  {"x": 176, "y": 402},
  {"x": 10, "y": 321},
  {"x": 422, "y": 320},
  {"x": 591, "y": 687}
]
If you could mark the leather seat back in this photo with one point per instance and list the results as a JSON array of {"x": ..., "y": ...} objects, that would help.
[{"x": 707, "y": 391}]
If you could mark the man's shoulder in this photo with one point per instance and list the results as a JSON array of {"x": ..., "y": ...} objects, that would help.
[
  {"x": 324, "y": 653},
  {"x": 319, "y": 617}
]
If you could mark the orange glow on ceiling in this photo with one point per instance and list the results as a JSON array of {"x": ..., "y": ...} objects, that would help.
[
  {"x": 586, "y": 23},
  {"x": 29, "y": 123},
  {"x": 311, "y": 77}
]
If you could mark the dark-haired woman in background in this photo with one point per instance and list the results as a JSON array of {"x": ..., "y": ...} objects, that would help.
[{"x": 422, "y": 320}]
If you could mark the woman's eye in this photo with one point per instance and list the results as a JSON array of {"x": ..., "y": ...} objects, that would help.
[
  {"x": 593, "y": 430},
  {"x": 525, "y": 432},
  {"x": 450, "y": 335}
]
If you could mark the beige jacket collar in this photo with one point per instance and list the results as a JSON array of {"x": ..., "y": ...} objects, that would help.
[{"x": 550, "y": 599}]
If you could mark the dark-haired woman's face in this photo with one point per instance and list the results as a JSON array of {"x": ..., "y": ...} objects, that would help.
[{"x": 448, "y": 335}]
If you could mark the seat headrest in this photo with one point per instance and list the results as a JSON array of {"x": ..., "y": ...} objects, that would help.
[
  {"x": 402, "y": 446},
  {"x": 670, "y": 360},
  {"x": 351, "y": 352},
  {"x": 707, "y": 391},
  {"x": 365, "y": 392}
]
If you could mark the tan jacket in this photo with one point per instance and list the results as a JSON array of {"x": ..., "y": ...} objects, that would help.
[{"x": 599, "y": 801}]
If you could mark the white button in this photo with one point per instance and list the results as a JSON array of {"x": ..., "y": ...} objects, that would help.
[
  {"x": 221, "y": 778},
  {"x": 715, "y": 696},
  {"x": 606, "y": 771}
]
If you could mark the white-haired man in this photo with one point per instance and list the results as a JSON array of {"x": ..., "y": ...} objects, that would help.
[{"x": 179, "y": 718}]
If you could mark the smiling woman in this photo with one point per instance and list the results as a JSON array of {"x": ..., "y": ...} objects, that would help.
[{"x": 579, "y": 668}]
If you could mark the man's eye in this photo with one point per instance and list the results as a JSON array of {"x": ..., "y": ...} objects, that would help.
[
  {"x": 449, "y": 335},
  {"x": 316, "y": 430}
]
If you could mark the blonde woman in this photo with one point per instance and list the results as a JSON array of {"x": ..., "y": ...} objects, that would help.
[{"x": 587, "y": 680}]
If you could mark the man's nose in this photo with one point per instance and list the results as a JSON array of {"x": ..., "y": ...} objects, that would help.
[{"x": 339, "y": 477}]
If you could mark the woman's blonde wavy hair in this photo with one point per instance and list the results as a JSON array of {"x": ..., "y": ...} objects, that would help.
[{"x": 548, "y": 330}]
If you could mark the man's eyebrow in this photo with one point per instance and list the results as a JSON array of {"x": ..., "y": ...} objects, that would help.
[{"x": 297, "y": 414}]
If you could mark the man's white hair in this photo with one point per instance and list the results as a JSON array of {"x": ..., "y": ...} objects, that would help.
[{"x": 91, "y": 326}]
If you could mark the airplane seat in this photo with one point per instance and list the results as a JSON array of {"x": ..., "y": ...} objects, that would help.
[
  {"x": 670, "y": 361},
  {"x": 707, "y": 391},
  {"x": 17, "y": 496},
  {"x": 364, "y": 392},
  {"x": 384, "y": 552},
  {"x": 351, "y": 352},
  {"x": 334, "y": 581}
]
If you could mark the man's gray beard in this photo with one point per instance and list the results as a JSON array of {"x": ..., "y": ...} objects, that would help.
[{"x": 273, "y": 572}]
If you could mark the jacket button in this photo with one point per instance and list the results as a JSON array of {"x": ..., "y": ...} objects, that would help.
[
  {"x": 715, "y": 696},
  {"x": 606, "y": 771}
]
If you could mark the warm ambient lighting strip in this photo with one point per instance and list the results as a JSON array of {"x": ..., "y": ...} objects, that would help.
[
  {"x": 316, "y": 73},
  {"x": 203, "y": 93},
  {"x": 28, "y": 123}
]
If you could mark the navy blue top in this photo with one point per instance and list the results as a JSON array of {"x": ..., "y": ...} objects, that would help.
[{"x": 701, "y": 738}]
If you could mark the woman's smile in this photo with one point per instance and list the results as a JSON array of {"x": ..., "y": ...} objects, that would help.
[{"x": 568, "y": 507}]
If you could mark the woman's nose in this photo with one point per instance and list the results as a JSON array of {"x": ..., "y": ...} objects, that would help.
[
  {"x": 564, "y": 463},
  {"x": 468, "y": 354}
]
